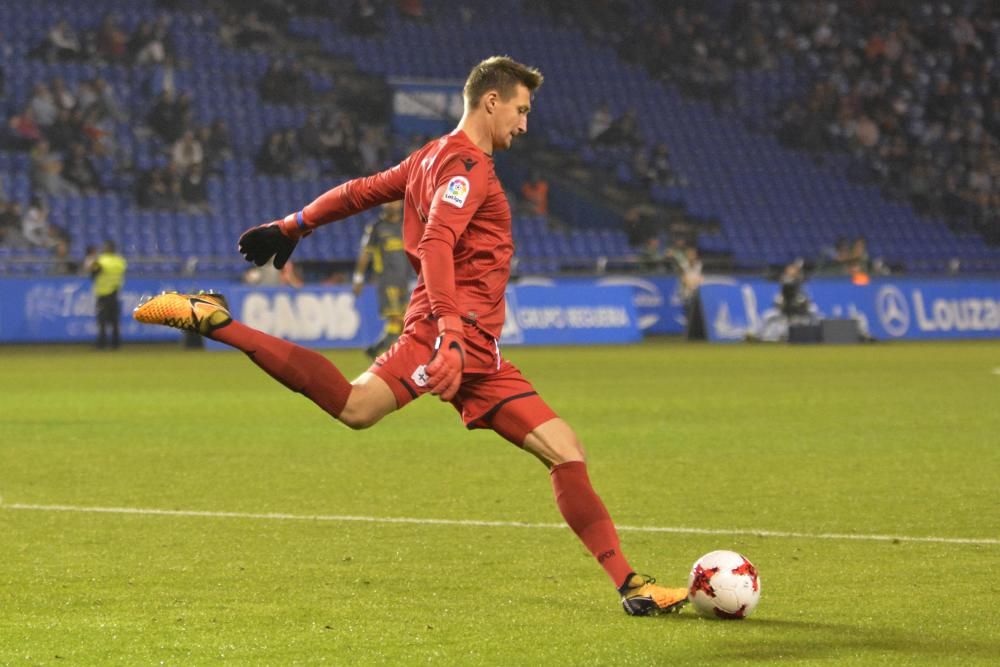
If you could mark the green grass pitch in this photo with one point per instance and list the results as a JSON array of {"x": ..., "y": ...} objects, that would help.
[{"x": 788, "y": 451}]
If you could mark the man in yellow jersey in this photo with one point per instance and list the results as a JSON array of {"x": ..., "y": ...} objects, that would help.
[
  {"x": 108, "y": 272},
  {"x": 382, "y": 248}
]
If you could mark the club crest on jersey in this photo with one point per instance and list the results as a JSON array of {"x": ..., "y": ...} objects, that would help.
[{"x": 456, "y": 191}]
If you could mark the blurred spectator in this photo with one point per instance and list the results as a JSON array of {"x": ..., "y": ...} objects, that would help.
[
  {"x": 535, "y": 195},
  {"x": 297, "y": 167},
  {"x": 792, "y": 306},
  {"x": 62, "y": 95},
  {"x": 65, "y": 131},
  {"x": 341, "y": 141},
  {"x": 62, "y": 43},
  {"x": 655, "y": 168},
  {"x": 35, "y": 226},
  {"x": 159, "y": 188},
  {"x": 162, "y": 78},
  {"x": 842, "y": 254},
  {"x": 866, "y": 132},
  {"x": 834, "y": 259},
  {"x": 640, "y": 223},
  {"x": 150, "y": 43},
  {"x": 623, "y": 131},
  {"x": 274, "y": 158},
  {"x": 172, "y": 182},
  {"x": 689, "y": 285},
  {"x": 270, "y": 87},
  {"x": 100, "y": 136},
  {"x": 792, "y": 301},
  {"x": 210, "y": 163},
  {"x": 691, "y": 271},
  {"x": 79, "y": 170},
  {"x": 24, "y": 132},
  {"x": 141, "y": 38},
  {"x": 43, "y": 105},
  {"x": 186, "y": 152},
  {"x": 89, "y": 258},
  {"x": 600, "y": 121},
  {"x": 87, "y": 98},
  {"x": 10, "y": 224},
  {"x": 676, "y": 254},
  {"x": 858, "y": 260},
  {"x": 217, "y": 144},
  {"x": 162, "y": 117},
  {"x": 61, "y": 263},
  {"x": 291, "y": 276},
  {"x": 310, "y": 136},
  {"x": 47, "y": 172},
  {"x": 285, "y": 83},
  {"x": 194, "y": 190},
  {"x": 110, "y": 42},
  {"x": 373, "y": 148},
  {"x": 169, "y": 115},
  {"x": 652, "y": 259},
  {"x": 109, "y": 108},
  {"x": 150, "y": 191}
]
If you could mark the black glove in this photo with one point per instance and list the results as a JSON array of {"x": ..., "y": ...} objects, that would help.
[{"x": 262, "y": 242}]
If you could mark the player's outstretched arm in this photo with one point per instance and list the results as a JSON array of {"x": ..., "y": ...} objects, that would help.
[{"x": 278, "y": 239}]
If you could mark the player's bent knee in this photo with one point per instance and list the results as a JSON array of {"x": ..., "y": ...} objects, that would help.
[
  {"x": 566, "y": 455},
  {"x": 554, "y": 443},
  {"x": 359, "y": 414},
  {"x": 358, "y": 420},
  {"x": 370, "y": 400}
]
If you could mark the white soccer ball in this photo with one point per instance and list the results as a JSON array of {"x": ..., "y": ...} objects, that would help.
[{"x": 724, "y": 584}]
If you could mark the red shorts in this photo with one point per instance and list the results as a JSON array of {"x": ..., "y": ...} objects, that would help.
[{"x": 493, "y": 394}]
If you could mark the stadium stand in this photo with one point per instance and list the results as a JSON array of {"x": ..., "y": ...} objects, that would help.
[{"x": 755, "y": 200}]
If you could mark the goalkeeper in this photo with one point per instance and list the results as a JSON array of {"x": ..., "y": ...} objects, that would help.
[
  {"x": 382, "y": 249},
  {"x": 457, "y": 236}
]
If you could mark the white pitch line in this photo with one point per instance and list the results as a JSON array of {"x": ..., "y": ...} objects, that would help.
[{"x": 277, "y": 516}]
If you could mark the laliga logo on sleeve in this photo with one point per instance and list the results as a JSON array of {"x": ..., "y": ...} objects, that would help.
[{"x": 456, "y": 191}]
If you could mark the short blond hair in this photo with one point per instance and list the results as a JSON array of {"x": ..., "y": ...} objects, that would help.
[{"x": 502, "y": 74}]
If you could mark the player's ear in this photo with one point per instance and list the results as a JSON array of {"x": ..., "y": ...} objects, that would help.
[{"x": 490, "y": 100}]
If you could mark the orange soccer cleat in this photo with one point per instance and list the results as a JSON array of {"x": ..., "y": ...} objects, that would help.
[
  {"x": 642, "y": 597},
  {"x": 201, "y": 313}
]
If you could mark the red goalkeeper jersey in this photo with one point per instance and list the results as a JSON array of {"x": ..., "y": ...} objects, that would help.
[{"x": 456, "y": 227}]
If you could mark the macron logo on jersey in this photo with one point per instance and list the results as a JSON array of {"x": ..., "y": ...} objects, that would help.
[{"x": 456, "y": 191}]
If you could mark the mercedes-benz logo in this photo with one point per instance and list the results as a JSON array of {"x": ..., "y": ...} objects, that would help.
[{"x": 893, "y": 310}]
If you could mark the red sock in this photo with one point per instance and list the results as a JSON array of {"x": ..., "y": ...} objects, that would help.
[
  {"x": 587, "y": 516},
  {"x": 299, "y": 369}
]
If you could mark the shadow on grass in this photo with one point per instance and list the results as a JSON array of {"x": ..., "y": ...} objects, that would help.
[{"x": 775, "y": 639}]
